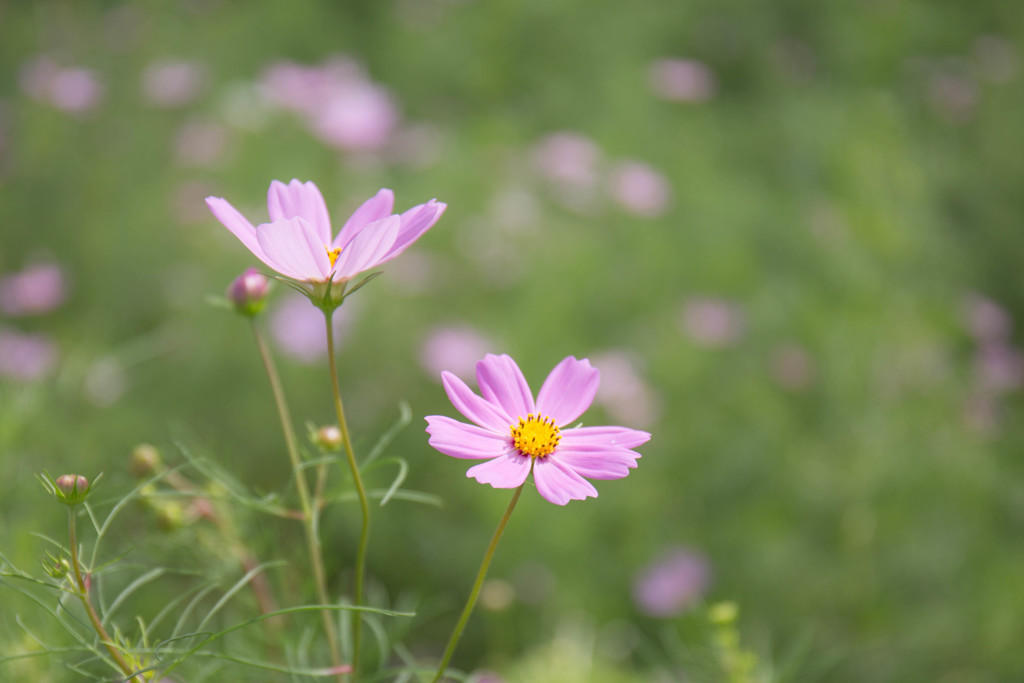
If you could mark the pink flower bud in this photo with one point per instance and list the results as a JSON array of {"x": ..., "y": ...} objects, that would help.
[
  {"x": 72, "y": 484},
  {"x": 328, "y": 438},
  {"x": 248, "y": 292}
]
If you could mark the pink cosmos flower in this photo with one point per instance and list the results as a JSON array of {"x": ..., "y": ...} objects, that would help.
[
  {"x": 516, "y": 434},
  {"x": 455, "y": 347},
  {"x": 298, "y": 328},
  {"x": 639, "y": 189},
  {"x": 26, "y": 357},
  {"x": 299, "y": 242},
  {"x": 672, "y": 583},
  {"x": 172, "y": 83},
  {"x": 38, "y": 288},
  {"x": 682, "y": 80}
]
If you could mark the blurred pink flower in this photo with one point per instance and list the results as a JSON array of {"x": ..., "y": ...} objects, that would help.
[
  {"x": 792, "y": 367},
  {"x": 987, "y": 321},
  {"x": 623, "y": 392},
  {"x": 672, "y": 583},
  {"x": 298, "y": 328},
  {"x": 639, "y": 189},
  {"x": 455, "y": 348},
  {"x": 295, "y": 87},
  {"x": 36, "y": 289},
  {"x": 26, "y": 357},
  {"x": 682, "y": 80},
  {"x": 953, "y": 94},
  {"x": 999, "y": 368},
  {"x": 298, "y": 241},
  {"x": 75, "y": 90},
  {"x": 340, "y": 104},
  {"x": 172, "y": 83},
  {"x": 712, "y": 322},
  {"x": 360, "y": 116},
  {"x": 515, "y": 435},
  {"x": 568, "y": 159},
  {"x": 201, "y": 143}
]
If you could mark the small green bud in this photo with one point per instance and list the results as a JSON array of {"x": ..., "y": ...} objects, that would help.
[
  {"x": 145, "y": 461},
  {"x": 723, "y": 613},
  {"x": 170, "y": 516},
  {"x": 248, "y": 292},
  {"x": 56, "y": 567},
  {"x": 327, "y": 438}
]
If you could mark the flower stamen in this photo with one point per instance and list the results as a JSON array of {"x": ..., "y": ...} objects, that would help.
[
  {"x": 333, "y": 254},
  {"x": 535, "y": 435}
]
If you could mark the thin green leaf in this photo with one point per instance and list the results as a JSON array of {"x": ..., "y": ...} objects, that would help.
[
  {"x": 187, "y": 612},
  {"x": 404, "y": 417},
  {"x": 288, "y": 610},
  {"x": 239, "y": 585},
  {"x": 129, "y": 589}
]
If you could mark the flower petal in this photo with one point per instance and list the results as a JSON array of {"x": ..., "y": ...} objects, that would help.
[
  {"x": 502, "y": 383},
  {"x": 373, "y": 209},
  {"x": 569, "y": 390},
  {"x": 368, "y": 248},
  {"x": 461, "y": 440},
  {"x": 505, "y": 472},
  {"x": 602, "y": 436},
  {"x": 612, "y": 463},
  {"x": 300, "y": 200},
  {"x": 291, "y": 248},
  {"x": 558, "y": 484},
  {"x": 234, "y": 221},
  {"x": 415, "y": 222},
  {"x": 473, "y": 407}
]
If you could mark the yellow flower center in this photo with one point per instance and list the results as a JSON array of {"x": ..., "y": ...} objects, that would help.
[
  {"x": 333, "y": 254},
  {"x": 535, "y": 436}
]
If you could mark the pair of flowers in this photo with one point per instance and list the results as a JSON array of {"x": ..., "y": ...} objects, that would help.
[{"x": 512, "y": 432}]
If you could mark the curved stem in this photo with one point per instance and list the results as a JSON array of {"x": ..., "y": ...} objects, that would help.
[
  {"x": 364, "y": 504},
  {"x": 473, "y": 594},
  {"x": 310, "y": 509},
  {"x": 83, "y": 595}
]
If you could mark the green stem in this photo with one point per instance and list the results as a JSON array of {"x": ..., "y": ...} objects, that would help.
[
  {"x": 364, "y": 504},
  {"x": 473, "y": 594},
  {"x": 83, "y": 595},
  {"x": 310, "y": 509}
]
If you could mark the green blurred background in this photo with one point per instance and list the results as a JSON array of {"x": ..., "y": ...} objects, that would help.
[{"x": 791, "y": 231}]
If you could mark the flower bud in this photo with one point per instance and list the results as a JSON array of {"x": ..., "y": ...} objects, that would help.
[
  {"x": 170, "y": 516},
  {"x": 56, "y": 567},
  {"x": 328, "y": 438},
  {"x": 723, "y": 613},
  {"x": 70, "y": 489},
  {"x": 145, "y": 460},
  {"x": 248, "y": 292},
  {"x": 71, "y": 484}
]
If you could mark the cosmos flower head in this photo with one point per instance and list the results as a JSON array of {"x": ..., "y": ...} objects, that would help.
[
  {"x": 516, "y": 435},
  {"x": 299, "y": 243}
]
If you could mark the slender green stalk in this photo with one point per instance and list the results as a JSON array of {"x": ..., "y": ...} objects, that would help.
[
  {"x": 310, "y": 508},
  {"x": 83, "y": 594},
  {"x": 473, "y": 594},
  {"x": 364, "y": 504}
]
